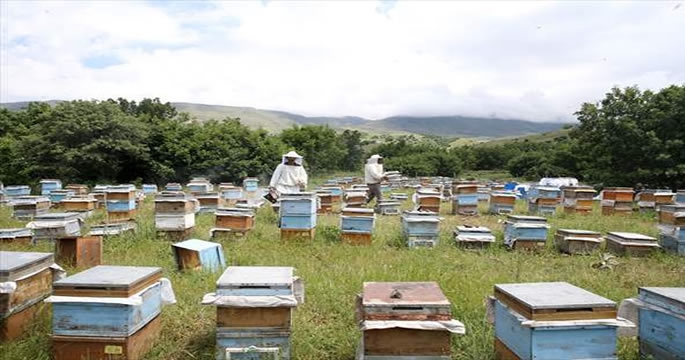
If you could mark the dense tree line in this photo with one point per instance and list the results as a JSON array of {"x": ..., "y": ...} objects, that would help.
[{"x": 630, "y": 138}]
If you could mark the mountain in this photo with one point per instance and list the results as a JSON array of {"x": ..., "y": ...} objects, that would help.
[{"x": 447, "y": 126}]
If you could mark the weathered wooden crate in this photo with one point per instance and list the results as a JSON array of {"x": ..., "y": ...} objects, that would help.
[
  {"x": 208, "y": 202},
  {"x": 235, "y": 219},
  {"x": 632, "y": 244},
  {"x": 132, "y": 347},
  {"x": 464, "y": 187},
  {"x": 32, "y": 275},
  {"x": 357, "y": 224},
  {"x": 55, "y": 225},
  {"x": 197, "y": 254},
  {"x": 253, "y": 345},
  {"x": 298, "y": 234},
  {"x": 502, "y": 202},
  {"x": 78, "y": 189},
  {"x": 354, "y": 198},
  {"x": 16, "y": 324},
  {"x": 174, "y": 205},
  {"x": 47, "y": 185},
  {"x": 80, "y": 252},
  {"x": 577, "y": 241},
  {"x": 388, "y": 207},
  {"x": 16, "y": 236},
  {"x": 473, "y": 236},
  {"x": 404, "y": 302},
  {"x": 356, "y": 238},
  {"x": 662, "y": 323}
]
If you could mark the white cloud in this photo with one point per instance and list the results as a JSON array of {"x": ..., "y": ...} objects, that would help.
[{"x": 531, "y": 60}]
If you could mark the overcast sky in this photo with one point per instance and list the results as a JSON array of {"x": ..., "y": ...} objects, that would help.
[{"x": 530, "y": 60}]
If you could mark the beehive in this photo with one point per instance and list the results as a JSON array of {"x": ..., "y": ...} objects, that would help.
[
  {"x": 58, "y": 195},
  {"x": 473, "y": 236},
  {"x": 174, "y": 212},
  {"x": 27, "y": 207},
  {"x": 149, "y": 189},
  {"x": 298, "y": 215},
  {"x": 325, "y": 199},
  {"x": 672, "y": 228},
  {"x": 55, "y": 225},
  {"x": 421, "y": 228},
  {"x": 78, "y": 189},
  {"x": 47, "y": 185},
  {"x": 544, "y": 200},
  {"x": 428, "y": 200},
  {"x": 525, "y": 232},
  {"x": 31, "y": 274},
  {"x": 577, "y": 241},
  {"x": 16, "y": 236},
  {"x": 623, "y": 243},
  {"x": 197, "y": 254},
  {"x": 80, "y": 252},
  {"x": 578, "y": 199},
  {"x": 199, "y": 185},
  {"x": 355, "y": 198},
  {"x": 411, "y": 320},
  {"x": 173, "y": 187},
  {"x": 502, "y": 202},
  {"x": 120, "y": 202},
  {"x": 208, "y": 202},
  {"x": 553, "y": 321},
  {"x": 236, "y": 219},
  {"x": 111, "y": 229},
  {"x": 79, "y": 204},
  {"x": 17, "y": 190},
  {"x": 661, "y": 322},
  {"x": 388, "y": 207}
]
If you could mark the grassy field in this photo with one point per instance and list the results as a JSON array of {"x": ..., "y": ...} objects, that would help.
[{"x": 324, "y": 327}]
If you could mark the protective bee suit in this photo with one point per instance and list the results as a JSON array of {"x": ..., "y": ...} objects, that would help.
[
  {"x": 373, "y": 175},
  {"x": 289, "y": 176}
]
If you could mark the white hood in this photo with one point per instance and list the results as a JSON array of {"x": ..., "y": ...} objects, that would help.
[
  {"x": 292, "y": 154},
  {"x": 373, "y": 160}
]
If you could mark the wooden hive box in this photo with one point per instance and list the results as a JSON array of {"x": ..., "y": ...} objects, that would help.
[
  {"x": 466, "y": 199},
  {"x": 174, "y": 222},
  {"x": 112, "y": 229},
  {"x": 672, "y": 243},
  {"x": 237, "y": 219},
  {"x": 26, "y": 207},
  {"x": 663, "y": 197},
  {"x": 526, "y": 232},
  {"x": 416, "y": 223},
  {"x": 80, "y": 252},
  {"x": 577, "y": 241},
  {"x": 57, "y": 196},
  {"x": 197, "y": 254},
  {"x": 55, "y": 225},
  {"x": 121, "y": 216},
  {"x": 355, "y": 238},
  {"x": 388, "y": 207},
  {"x": 79, "y": 204},
  {"x": 74, "y": 316},
  {"x": 473, "y": 236},
  {"x": 114, "y": 205},
  {"x": 173, "y": 187},
  {"x": 405, "y": 302},
  {"x": 679, "y": 197},
  {"x": 78, "y": 189},
  {"x": 553, "y": 321},
  {"x": 251, "y": 184},
  {"x": 16, "y": 236},
  {"x": 133, "y": 347},
  {"x": 174, "y": 205},
  {"x": 355, "y": 197},
  {"x": 357, "y": 224},
  {"x": 623, "y": 243},
  {"x": 465, "y": 188},
  {"x": 672, "y": 214},
  {"x": 354, "y": 211},
  {"x": 662, "y": 322},
  {"x": 31, "y": 273}
]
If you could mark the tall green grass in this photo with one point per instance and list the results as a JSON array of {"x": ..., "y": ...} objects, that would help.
[{"x": 324, "y": 327}]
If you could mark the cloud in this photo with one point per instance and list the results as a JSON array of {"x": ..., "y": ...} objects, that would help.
[{"x": 530, "y": 60}]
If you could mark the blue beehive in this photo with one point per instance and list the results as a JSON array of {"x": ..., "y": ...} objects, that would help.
[
  {"x": 149, "y": 189},
  {"x": 554, "y": 321},
  {"x": 232, "y": 193},
  {"x": 56, "y": 196},
  {"x": 17, "y": 190},
  {"x": 420, "y": 228},
  {"x": 662, "y": 322},
  {"x": 525, "y": 228},
  {"x": 672, "y": 243},
  {"x": 334, "y": 190},
  {"x": 120, "y": 205},
  {"x": 199, "y": 254},
  {"x": 357, "y": 224},
  {"x": 173, "y": 187},
  {"x": 680, "y": 197},
  {"x": 106, "y": 301},
  {"x": 467, "y": 199},
  {"x": 251, "y": 184},
  {"x": 295, "y": 222},
  {"x": 47, "y": 185},
  {"x": 298, "y": 211},
  {"x": 243, "y": 294}
]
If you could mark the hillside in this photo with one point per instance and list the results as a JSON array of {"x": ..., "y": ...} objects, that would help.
[{"x": 448, "y": 126}]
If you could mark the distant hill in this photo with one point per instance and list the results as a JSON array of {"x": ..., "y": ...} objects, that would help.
[{"x": 448, "y": 126}]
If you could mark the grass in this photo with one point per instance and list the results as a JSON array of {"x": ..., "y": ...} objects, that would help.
[{"x": 324, "y": 327}]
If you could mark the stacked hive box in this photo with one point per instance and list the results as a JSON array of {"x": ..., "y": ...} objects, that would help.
[
  {"x": 661, "y": 322},
  {"x": 544, "y": 200},
  {"x": 99, "y": 193},
  {"x": 473, "y": 237},
  {"x": 173, "y": 187},
  {"x": 650, "y": 200},
  {"x": 197, "y": 254},
  {"x": 252, "y": 193},
  {"x": 502, "y": 202},
  {"x": 623, "y": 243},
  {"x": 22, "y": 236},
  {"x": 578, "y": 199},
  {"x": 121, "y": 203},
  {"x": 298, "y": 216},
  {"x": 26, "y": 280},
  {"x": 336, "y": 193},
  {"x": 388, "y": 207},
  {"x": 577, "y": 241},
  {"x": 399, "y": 196},
  {"x": 483, "y": 194},
  {"x": 199, "y": 185},
  {"x": 525, "y": 232},
  {"x": 356, "y": 225},
  {"x": 208, "y": 202},
  {"x": 325, "y": 199},
  {"x": 405, "y": 321},
  {"x": 47, "y": 185},
  {"x": 428, "y": 199},
  {"x": 107, "y": 312},
  {"x": 254, "y": 312},
  {"x": 394, "y": 179},
  {"x": 554, "y": 321},
  {"x": 58, "y": 195},
  {"x": 230, "y": 194},
  {"x": 79, "y": 252},
  {"x": 617, "y": 200},
  {"x": 55, "y": 225},
  {"x": 175, "y": 214},
  {"x": 672, "y": 228},
  {"x": 16, "y": 191},
  {"x": 27, "y": 207},
  {"x": 421, "y": 228},
  {"x": 355, "y": 197},
  {"x": 465, "y": 199},
  {"x": 680, "y": 197},
  {"x": 78, "y": 189},
  {"x": 149, "y": 189},
  {"x": 84, "y": 205},
  {"x": 105, "y": 230},
  {"x": 232, "y": 221}
]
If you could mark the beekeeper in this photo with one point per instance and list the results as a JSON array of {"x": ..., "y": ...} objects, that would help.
[
  {"x": 373, "y": 176},
  {"x": 289, "y": 176}
]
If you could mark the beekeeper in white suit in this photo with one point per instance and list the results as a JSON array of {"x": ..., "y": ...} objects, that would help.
[
  {"x": 373, "y": 176},
  {"x": 289, "y": 176}
]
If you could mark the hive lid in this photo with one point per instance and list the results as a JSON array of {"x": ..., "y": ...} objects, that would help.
[
  {"x": 672, "y": 298},
  {"x": 403, "y": 293},
  {"x": 256, "y": 276},
  {"x": 525, "y": 219},
  {"x": 196, "y": 244},
  {"x": 554, "y": 301},
  {"x": 16, "y": 232},
  {"x": 353, "y": 210},
  {"x": 108, "y": 281},
  {"x": 16, "y": 264},
  {"x": 630, "y": 237},
  {"x": 57, "y": 217},
  {"x": 577, "y": 232},
  {"x": 473, "y": 229}
]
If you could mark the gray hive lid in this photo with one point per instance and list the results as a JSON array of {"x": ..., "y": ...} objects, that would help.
[
  {"x": 670, "y": 298},
  {"x": 272, "y": 276},
  {"x": 393, "y": 294},
  {"x": 526, "y": 219},
  {"x": 630, "y": 237},
  {"x": 108, "y": 281},
  {"x": 16, "y": 264},
  {"x": 473, "y": 229},
  {"x": 57, "y": 217},
  {"x": 574, "y": 232}
]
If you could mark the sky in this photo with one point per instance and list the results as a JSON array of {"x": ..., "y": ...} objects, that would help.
[{"x": 535, "y": 60}]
